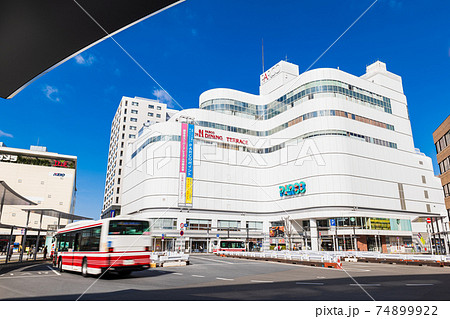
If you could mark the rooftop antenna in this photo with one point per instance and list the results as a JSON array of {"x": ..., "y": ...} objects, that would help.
[
  {"x": 286, "y": 59},
  {"x": 262, "y": 42}
]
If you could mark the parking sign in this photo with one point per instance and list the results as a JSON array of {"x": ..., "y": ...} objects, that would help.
[{"x": 333, "y": 222}]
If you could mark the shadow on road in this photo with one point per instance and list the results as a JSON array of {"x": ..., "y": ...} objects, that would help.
[{"x": 420, "y": 287}]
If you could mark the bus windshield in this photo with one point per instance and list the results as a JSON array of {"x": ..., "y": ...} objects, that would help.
[
  {"x": 128, "y": 227},
  {"x": 231, "y": 244}
]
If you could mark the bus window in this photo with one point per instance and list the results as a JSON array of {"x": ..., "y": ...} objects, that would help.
[
  {"x": 90, "y": 239},
  {"x": 117, "y": 227}
]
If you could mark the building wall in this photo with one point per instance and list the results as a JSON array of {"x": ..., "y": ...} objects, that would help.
[
  {"x": 50, "y": 187},
  {"x": 351, "y": 167},
  {"x": 442, "y": 136},
  {"x": 131, "y": 115}
]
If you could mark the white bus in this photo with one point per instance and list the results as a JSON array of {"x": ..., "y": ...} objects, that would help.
[
  {"x": 120, "y": 244},
  {"x": 229, "y": 245}
]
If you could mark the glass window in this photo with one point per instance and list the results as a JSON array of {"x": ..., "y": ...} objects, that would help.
[
  {"x": 128, "y": 227},
  {"x": 135, "y": 103},
  {"x": 90, "y": 239},
  {"x": 199, "y": 224},
  {"x": 151, "y": 106},
  {"x": 254, "y": 225},
  {"x": 134, "y": 111},
  {"x": 132, "y": 136},
  {"x": 133, "y": 119},
  {"x": 163, "y": 223},
  {"x": 158, "y": 107},
  {"x": 158, "y": 115},
  {"x": 150, "y": 114},
  {"x": 228, "y": 224}
]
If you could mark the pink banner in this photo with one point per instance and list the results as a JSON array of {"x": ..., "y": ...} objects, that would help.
[{"x": 183, "y": 149}]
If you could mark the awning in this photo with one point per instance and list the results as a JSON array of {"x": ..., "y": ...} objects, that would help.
[
  {"x": 38, "y": 35},
  {"x": 55, "y": 213}
]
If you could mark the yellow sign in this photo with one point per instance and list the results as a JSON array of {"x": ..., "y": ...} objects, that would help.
[
  {"x": 380, "y": 223},
  {"x": 188, "y": 190}
]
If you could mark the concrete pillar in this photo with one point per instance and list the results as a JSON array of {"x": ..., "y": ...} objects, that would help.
[{"x": 314, "y": 235}]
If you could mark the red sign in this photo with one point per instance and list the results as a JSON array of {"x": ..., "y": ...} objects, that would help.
[
  {"x": 429, "y": 220},
  {"x": 181, "y": 233},
  {"x": 213, "y": 136},
  {"x": 60, "y": 163},
  {"x": 181, "y": 225}
]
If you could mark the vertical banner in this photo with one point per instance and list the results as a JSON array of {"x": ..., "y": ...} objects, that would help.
[
  {"x": 183, "y": 153},
  {"x": 189, "y": 164}
]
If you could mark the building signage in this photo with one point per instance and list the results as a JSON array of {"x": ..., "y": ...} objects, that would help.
[
  {"x": 292, "y": 189},
  {"x": 269, "y": 74},
  {"x": 211, "y": 135},
  {"x": 60, "y": 163},
  {"x": 186, "y": 165},
  {"x": 189, "y": 164},
  {"x": 8, "y": 158},
  {"x": 183, "y": 155},
  {"x": 59, "y": 174}
]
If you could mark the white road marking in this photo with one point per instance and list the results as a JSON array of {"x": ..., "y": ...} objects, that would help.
[
  {"x": 177, "y": 273},
  {"x": 309, "y": 283},
  {"x": 416, "y": 285},
  {"x": 365, "y": 285},
  {"x": 321, "y": 277},
  {"x": 262, "y": 281},
  {"x": 54, "y": 270},
  {"x": 12, "y": 274},
  {"x": 219, "y": 278},
  {"x": 199, "y": 276},
  {"x": 218, "y": 261},
  {"x": 39, "y": 276}
]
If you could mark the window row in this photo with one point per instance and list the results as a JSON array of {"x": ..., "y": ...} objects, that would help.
[
  {"x": 82, "y": 240},
  {"x": 443, "y": 142},
  {"x": 150, "y": 106},
  {"x": 297, "y": 120},
  {"x": 306, "y": 91},
  {"x": 271, "y": 149}
]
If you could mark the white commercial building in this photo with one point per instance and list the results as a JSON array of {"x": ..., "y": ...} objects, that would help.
[
  {"x": 318, "y": 160},
  {"x": 45, "y": 178},
  {"x": 130, "y": 118}
]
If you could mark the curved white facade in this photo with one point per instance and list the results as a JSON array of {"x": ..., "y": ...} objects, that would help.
[{"x": 347, "y": 138}]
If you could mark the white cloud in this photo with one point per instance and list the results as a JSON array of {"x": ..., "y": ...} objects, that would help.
[
  {"x": 51, "y": 93},
  {"x": 5, "y": 134},
  {"x": 87, "y": 61},
  {"x": 164, "y": 97}
]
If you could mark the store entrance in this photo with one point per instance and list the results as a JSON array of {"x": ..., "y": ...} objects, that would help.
[{"x": 199, "y": 246}]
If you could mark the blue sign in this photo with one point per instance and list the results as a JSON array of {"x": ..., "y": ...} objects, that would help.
[
  {"x": 293, "y": 189},
  {"x": 186, "y": 225},
  {"x": 109, "y": 243},
  {"x": 332, "y": 222},
  {"x": 217, "y": 235},
  {"x": 162, "y": 236}
]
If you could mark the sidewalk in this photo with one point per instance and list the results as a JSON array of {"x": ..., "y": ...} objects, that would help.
[{"x": 15, "y": 257}]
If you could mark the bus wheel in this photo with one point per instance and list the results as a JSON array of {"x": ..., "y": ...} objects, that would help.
[
  {"x": 84, "y": 270},
  {"x": 60, "y": 265}
]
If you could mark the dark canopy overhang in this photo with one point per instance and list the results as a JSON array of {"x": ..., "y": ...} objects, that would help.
[
  {"x": 38, "y": 35},
  {"x": 8, "y": 196}
]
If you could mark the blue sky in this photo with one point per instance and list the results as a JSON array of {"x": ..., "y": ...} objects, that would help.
[{"x": 200, "y": 44}]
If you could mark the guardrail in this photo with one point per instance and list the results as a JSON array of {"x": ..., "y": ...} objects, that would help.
[
  {"x": 337, "y": 256},
  {"x": 292, "y": 257}
]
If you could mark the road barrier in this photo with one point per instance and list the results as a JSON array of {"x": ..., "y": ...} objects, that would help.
[
  {"x": 290, "y": 257},
  {"x": 334, "y": 258},
  {"x": 169, "y": 259}
]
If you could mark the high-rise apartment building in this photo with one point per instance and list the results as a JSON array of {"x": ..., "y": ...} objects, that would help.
[
  {"x": 130, "y": 117},
  {"x": 441, "y": 139}
]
